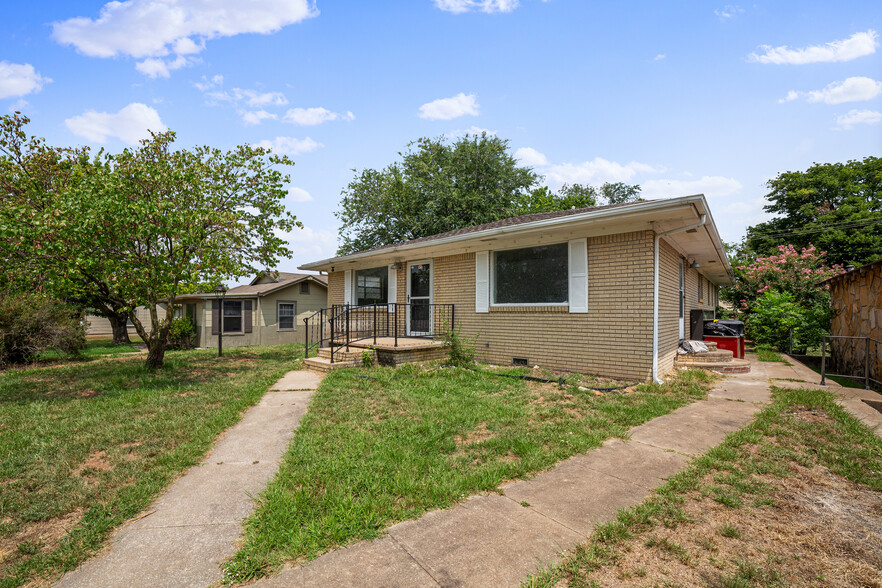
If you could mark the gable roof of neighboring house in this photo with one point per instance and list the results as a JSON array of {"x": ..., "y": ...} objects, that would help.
[
  {"x": 660, "y": 215},
  {"x": 281, "y": 280}
]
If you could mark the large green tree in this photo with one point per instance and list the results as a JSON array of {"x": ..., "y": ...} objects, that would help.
[
  {"x": 436, "y": 187},
  {"x": 153, "y": 223},
  {"x": 835, "y": 206},
  {"x": 439, "y": 186},
  {"x": 33, "y": 179}
]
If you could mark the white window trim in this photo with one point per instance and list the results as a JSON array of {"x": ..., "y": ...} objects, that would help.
[
  {"x": 279, "y": 316},
  {"x": 492, "y": 282}
]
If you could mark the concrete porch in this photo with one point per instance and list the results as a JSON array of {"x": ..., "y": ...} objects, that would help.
[{"x": 408, "y": 350}]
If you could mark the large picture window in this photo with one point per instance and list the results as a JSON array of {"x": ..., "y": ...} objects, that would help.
[
  {"x": 287, "y": 312},
  {"x": 534, "y": 275},
  {"x": 232, "y": 316},
  {"x": 371, "y": 286}
]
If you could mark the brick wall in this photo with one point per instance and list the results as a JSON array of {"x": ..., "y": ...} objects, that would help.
[
  {"x": 668, "y": 306},
  {"x": 613, "y": 339}
]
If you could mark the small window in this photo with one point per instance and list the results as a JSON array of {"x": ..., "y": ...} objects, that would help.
[
  {"x": 700, "y": 288},
  {"x": 371, "y": 286},
  {"x": 534, "y": 275},
  {"x": 304, "y": 287},
  {"x": 232, "y": 319},
  {"x": 287, "y": 312}
]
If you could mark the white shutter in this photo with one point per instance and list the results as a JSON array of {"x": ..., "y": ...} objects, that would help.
[
  {"x": 347, "y": 287},
  {"x": 482, "y": 281},
  {"x": 578, "y": 271},
  {"x": 392, "y": 287}
]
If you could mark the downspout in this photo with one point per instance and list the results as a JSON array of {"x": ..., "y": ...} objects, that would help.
[{"x": 658, "y": 237}]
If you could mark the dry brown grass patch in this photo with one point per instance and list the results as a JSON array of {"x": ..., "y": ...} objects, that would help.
[
  {"x": 45, "y": 535},
  {"x": 823, "y": 531}
]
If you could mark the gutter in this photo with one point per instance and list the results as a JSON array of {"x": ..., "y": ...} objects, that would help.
[{"x": 658, "y": 236}]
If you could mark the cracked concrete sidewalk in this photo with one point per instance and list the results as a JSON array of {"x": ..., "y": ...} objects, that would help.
[
  {"x": 191, "y": 529},
  {"x": 498, "y": 540}
]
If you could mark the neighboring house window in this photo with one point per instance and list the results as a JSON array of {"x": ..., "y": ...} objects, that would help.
[
  {"x": 371, "y": 286},
  {"x": 533, "y": 275},
  {"x": 287, "y": 312},
  {"x": 232, "y": 321},
  {"x": 304, "y": 287}
]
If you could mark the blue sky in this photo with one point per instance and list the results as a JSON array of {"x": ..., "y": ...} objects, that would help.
[{"x": 680, "y": 97}]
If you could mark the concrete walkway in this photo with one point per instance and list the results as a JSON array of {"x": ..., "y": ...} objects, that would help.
[
  {"x": 192, "y": 528},
  {"x": 498, "y": 540}
]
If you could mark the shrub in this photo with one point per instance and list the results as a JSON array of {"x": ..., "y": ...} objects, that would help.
[
  {"x": 367, "y": 358},
  {"x": 181, "y": 334},
  {"x": 459, "y": 352},
  {"x": 775, "y": 313},
  {"x": 33, "y": 323}
]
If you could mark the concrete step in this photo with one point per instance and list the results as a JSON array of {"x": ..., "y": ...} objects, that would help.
[
  {"x": 340, "y": 354},
  {"x": 720, "y": 355},
  {"x": 733, "y": 366},
  {"x": 323, "y": 365}
]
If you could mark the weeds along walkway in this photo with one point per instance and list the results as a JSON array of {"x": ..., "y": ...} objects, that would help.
[
  {"x": 499, "y": 539},
  {"x": 192, "y": 528}
]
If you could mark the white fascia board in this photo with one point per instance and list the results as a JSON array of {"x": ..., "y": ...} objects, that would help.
[{"x": 591, "y": 215}]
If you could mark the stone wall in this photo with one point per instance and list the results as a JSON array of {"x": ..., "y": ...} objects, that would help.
[{"x": 856, "y": 299}]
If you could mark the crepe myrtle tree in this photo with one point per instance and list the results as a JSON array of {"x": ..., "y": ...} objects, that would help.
[{"x": 166, "y": 220}]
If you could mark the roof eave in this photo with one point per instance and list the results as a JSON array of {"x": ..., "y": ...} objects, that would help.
[{"x": 641, "y": 207}]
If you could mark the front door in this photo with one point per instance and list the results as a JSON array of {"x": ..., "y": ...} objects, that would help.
[{"x": 419, "y": 298}]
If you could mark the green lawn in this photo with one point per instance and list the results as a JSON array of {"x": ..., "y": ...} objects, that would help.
[
  {"x": 86, "y": 445},
  {"x": 766, "y": 353},
  {"x": 95, "y": 348},
  {"x": 745, "y": 514},
  {"x": 385, "y": 445}
]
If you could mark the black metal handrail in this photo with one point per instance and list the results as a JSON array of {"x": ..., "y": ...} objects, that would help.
[
  {"x": 347, "y": 324},
  {"x": 866, "y": 376}
]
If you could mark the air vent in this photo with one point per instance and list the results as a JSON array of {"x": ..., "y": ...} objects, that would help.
[{"x": 520, "y": 361}]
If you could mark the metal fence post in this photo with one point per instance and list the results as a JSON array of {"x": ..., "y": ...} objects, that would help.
[
  {"x": 867, "y": 366},
  {"x": 375, "y": 324},
  {"x": 791, "y": 340},
  {"x": 306, "y": 328},
  {"x": 348, "y": 312},
  {"x": 823, "y": 359},
  {"x": 396, "y": 324}
]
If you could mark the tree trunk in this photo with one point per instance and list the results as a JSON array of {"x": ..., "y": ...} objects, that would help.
[
  {"x": 119, "y": 325},
  {"x": 155, "y": 353}
]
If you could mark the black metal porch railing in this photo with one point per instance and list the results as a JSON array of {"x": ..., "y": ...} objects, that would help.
[
  {"x": 341, "y": 325},
  {"x": 853, "y": 356}
]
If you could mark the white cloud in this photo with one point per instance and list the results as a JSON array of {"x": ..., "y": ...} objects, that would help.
[
  {"x": 19, "y": 79},
  {"x": 659, "y": 57},
  {"x": 710, "y": 186},
  {"x": 296, "y": 194},
  {"x": 450, "y": 108},
  {"x": 252, "y": 98},
  {"x": 159, "y": 68},
  {"x": 207, "y": 84},
  {"x": 314, "y": 116},
  {"x": 308, "y": 244},
  {"x": 531, "y": 157},
  {"x": 131, "y": 124},
  {"x": 151, "y": 29},
  {"x": 858, "y": 45},
  {"x": 728, "y": 11},
  {"x": 289, "y": 145},
  {"x": 858, "y": 117},
  {"x": 854, "y": 89},
  {"x": 255, "y": 117},
  {"x": 489, "y": 6},
  {"x": 596, "y": 171},
  {"x": 472, "y": 130}
]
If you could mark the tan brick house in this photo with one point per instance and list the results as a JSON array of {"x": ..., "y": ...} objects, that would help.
[{"x": 605, "y": 290}]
